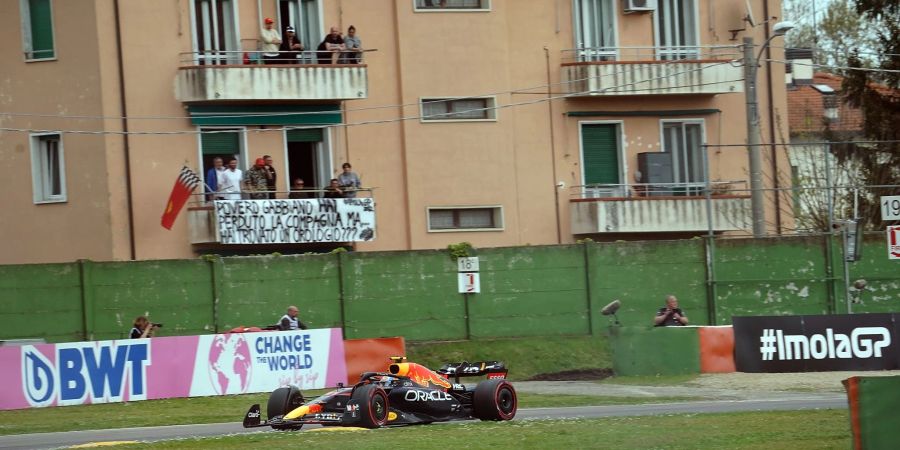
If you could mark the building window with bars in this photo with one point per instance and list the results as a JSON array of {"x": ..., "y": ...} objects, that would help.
[
  {"x": 48, "y": 169},
  {"x": 452, "y": 5},
  {"x": 482, "y": 218},
  {"x": 462, "y": 109},
  {"x": 37, "y": 29}
]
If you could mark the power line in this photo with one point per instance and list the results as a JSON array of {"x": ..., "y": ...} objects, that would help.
[
  {"x": 382, "y": 121},
  {"x": 804, "y": 143},
  {"x": 368, "y": 108},
  {"x": 864, "y": 69}
]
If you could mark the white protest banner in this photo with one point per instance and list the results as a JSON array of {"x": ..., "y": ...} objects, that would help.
[{"x": 295, "y": 221}]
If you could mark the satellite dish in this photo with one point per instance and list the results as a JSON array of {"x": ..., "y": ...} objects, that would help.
[
  {"x": 749, "y": 18},
  {"x": 611, "y": 308}
]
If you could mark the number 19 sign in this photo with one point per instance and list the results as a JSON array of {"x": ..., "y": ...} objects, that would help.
[{"x": 890, "y": 207}]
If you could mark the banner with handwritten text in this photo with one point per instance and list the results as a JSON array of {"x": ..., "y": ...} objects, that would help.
[{"x": 295, "y": 221}]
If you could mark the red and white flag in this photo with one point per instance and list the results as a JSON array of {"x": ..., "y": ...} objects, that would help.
[{"x": 185, "y": 184}]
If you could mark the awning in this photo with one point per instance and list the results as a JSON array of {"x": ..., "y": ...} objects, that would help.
[{"x": 209, "y": 115}]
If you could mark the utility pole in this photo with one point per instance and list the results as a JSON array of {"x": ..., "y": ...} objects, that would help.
[{"x": 757, "y": 196}]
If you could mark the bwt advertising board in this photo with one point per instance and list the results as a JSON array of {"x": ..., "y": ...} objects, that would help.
[
  {"x": 817, "y": 343},
  {"x": 295, "y": 221},
  {"x": 81, "y": 373}
]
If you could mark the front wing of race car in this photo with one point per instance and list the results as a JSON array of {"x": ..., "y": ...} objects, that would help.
[{"x": 253, "y": 419}]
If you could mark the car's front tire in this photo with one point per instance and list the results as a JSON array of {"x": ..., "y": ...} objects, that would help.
[
  {"x": 373, "y": 405},
  {"x": 282, "y": 401},
  {"x": 495, "y": 400}
]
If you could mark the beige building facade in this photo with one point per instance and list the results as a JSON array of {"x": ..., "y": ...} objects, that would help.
[{"x": 497, "y": 122}]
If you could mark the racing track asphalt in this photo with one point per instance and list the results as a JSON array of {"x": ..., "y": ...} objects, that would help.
[{"x": 70, "y": 438}]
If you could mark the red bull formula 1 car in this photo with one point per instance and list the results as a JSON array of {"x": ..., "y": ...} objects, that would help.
[{"x": 405, "y": 395}]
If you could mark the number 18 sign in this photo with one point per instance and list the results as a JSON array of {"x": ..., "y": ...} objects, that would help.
[{"x": 893, "y": 238}]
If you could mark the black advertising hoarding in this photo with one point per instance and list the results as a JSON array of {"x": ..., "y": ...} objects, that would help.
[{"x": 817, "y": 343}]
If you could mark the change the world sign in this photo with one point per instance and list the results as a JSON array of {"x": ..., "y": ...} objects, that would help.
[{"x": 295, "y": 221}]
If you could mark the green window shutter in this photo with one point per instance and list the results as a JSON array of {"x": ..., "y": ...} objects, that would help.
[
  {"x": 41, "y": 29},
  {"x": 221, "y": 143},
  {"x": 305, "y": 135},
  {"x": 601, "y": 154}
]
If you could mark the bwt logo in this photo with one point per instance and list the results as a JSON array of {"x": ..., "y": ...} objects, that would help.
[
  {"x": 98, "y": 372},
  {"x": 819, "y": 346}
]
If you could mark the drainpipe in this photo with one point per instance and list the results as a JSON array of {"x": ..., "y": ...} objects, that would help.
[
  {"x": 773, "y": 152},
  {"x": 126, "y": 142},
  {"x": 552, "y": 146}
]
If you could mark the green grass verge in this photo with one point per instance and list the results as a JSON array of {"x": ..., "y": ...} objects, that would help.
[
  {"x": 797, "y": 430},
  {"x": 231, "y": 408},
  {"x": 524, "y": 357},
  {"x": 650, "y": 380}
]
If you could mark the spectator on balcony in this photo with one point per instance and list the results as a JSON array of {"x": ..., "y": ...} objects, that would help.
[
  {"x": 349, "y": 181},
  {"x": 290, "y": 46},
  {"x": 255, "y": 181},
  {"x": 271, "y": 176},
  {"x": 290, "y": 321},
  {"x": 331, "y": 47},
  {"x": 353, "y": 43},
  {"x": 230, "y": 181},
  {"x": 270, "y": 40},
  {"x": 670, "y": 315},
  {"x": 212, "y": 178},
  {"x": 298, "y": 190},
  {"x": 334, "y": 190}
]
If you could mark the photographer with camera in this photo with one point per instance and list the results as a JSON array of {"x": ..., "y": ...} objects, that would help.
[
  {"x": 143, "y": 328},
  {"x": 670, "y": 315}
]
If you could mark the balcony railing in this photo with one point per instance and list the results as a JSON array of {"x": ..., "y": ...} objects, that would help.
[
  {"x": 296, "y": 217},
  {"x": 607, "y": 71},
  {"x": 660, "y": 207},
  {"x": 224, "y": 76}
]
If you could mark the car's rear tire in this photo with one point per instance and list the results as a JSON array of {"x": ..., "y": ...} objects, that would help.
[
  {"x": 282, "y": 401},
  {"x": 373, "y": 405},
  {"x": 495, "y": 400}
]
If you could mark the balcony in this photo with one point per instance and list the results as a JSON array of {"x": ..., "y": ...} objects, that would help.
[
  {"x": 232, "y": 76},
  {"x": 671, "y": 208},
  {"x": 282, "y": 220},
  {"x": 589, "y": 72}
]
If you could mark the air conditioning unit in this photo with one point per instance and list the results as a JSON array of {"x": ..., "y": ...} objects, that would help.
[{"x": 631, "y": 6}]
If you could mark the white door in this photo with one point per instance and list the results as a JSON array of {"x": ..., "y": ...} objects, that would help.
[{"x": 215, "y": 38}]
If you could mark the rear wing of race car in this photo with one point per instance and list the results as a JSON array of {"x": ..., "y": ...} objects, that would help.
[{"x": 493, "y": 369}]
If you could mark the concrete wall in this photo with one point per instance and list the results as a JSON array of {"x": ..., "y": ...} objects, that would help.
[{"x": 525, "y": 291}]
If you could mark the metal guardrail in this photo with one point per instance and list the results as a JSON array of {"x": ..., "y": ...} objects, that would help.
[
  {"x": 256, "y": 57},
  {"x": 204, "y": 198},
  {"x": 641, "y": 190},
  {"x": 632, "y": 54}
]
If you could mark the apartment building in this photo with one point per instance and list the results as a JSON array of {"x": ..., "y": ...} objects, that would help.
[{"x": 497, "y": 122}]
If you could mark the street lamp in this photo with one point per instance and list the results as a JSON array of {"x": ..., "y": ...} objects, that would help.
[{"x": 757, "y": 197}]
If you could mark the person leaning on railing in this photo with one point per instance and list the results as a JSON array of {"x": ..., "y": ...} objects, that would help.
[{"x": 290, "y": 47}]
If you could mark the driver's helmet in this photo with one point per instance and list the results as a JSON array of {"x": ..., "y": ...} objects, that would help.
[{"x": 388, "y": 380}]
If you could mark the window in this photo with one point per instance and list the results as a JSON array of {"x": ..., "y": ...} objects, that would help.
[
  {"x": 225, "y": 144},
  {"x": 676, "y": 27},
  {"x": 465, "y": 219},
  {"x": 684, "y": 140},
  {"x": 37, "y": 29},
  {"x": 303, "y": 15},
  {"x": 446, "y": 109},
  {"x": 595, "y": 32},
  {"x": 451, "y": 5},
  {"x": 215, "y": 39},
  {"x": 48, "y": 168}
]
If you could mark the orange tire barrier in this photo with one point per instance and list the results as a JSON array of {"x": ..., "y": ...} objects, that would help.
[
  {"x": 371, "y": 355},
  {"x": 716, "y": 349}
]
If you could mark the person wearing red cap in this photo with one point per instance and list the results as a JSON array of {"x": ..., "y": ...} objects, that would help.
[
  {"x": 271, "y": 39},
  {"x": 255, "y": 180}
]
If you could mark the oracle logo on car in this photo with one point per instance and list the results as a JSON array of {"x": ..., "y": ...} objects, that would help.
[{"x": 415, "y": 395}]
